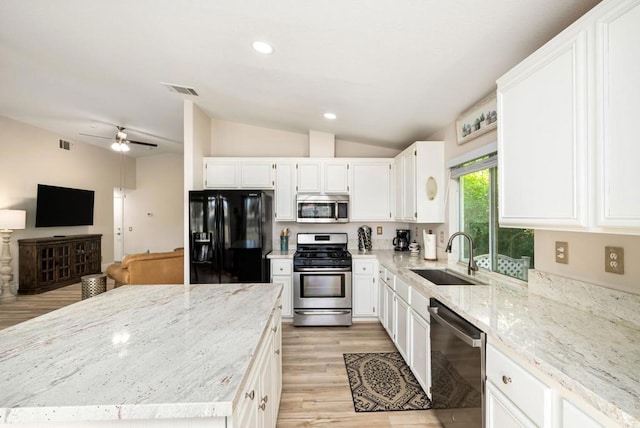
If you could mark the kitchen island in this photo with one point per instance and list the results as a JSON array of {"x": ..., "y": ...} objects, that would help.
[{"x": 142, "y": 355}]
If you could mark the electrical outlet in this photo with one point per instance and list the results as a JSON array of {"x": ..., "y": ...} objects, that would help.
[
  {"x": 562, "y": 252},
  {"x": 614, "y": 260},
  {"x": 379, "y": 230},
  {"x": 441, "y": 237}
]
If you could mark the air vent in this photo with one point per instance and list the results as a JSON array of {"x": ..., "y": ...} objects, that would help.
[
  {"x": 185, "y": 90},
  {"x": 65, "y": 145}
]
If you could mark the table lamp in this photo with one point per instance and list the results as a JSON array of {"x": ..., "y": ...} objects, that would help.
[{"x": 10, "y": 220}]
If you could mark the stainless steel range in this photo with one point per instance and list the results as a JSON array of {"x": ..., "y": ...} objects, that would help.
[{"x": 322, "y": 280}]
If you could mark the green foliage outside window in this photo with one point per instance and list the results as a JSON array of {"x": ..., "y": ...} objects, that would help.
[{"x": 479, "y": 208}]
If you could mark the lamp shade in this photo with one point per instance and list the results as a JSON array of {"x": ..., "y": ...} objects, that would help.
[{"x": 13, "y": 219}]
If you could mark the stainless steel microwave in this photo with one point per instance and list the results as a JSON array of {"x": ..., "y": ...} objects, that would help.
[{"x": 322, "y": 208}]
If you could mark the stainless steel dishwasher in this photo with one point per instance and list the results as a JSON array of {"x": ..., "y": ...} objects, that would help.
[{"x": 457, "y": 368}]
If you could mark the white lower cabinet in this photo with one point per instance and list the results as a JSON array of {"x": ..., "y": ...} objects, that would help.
[
  {"x": 390, "y": 307},
  {"x": 365, "y": 288},
  {"x": 259, "y": 400},
  {"x": 419, "y": 341},
  {"x": 401, "y": 304},
  {"x": 282, "y": 273},
  {"x": 501, "y": 412},
  {"x": 521, "y": 388},
  {"x": 573, "y": 417},
  {"x": 382, "y": 283}
]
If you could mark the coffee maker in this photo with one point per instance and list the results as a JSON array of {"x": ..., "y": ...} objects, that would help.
[{"x": 401, "y": 241}]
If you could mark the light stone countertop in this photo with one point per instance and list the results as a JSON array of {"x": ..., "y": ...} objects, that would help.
[
  {"x": 277, "y": 254},
  {"x": 596, "y": 358},
  {"x": 136, "y": 352}
]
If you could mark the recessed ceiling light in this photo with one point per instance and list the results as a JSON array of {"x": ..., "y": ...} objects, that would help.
[
  {"x": 262, "y": 47},
  {"x": 330, "y": 116}
]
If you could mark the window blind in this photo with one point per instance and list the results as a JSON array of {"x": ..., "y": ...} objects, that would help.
[{"x": 484, "y": 162}]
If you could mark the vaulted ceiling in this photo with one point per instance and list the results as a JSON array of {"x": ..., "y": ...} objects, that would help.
[{"x": 392, "y": 71}]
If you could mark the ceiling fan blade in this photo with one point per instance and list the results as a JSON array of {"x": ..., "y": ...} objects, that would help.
[
  {"x": 142, "y": 143},
  {"x": 97, "y": 136}
]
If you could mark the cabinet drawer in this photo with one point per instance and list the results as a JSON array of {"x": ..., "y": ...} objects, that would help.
[
  {"x": 361, "y": 267},
  {"x": 389, "y": 278},
  {"x": 281, "y": 267},
  {"x": 420, "y": 304},
  {"x": 521, "y": 387},
  {"x": 402, "y": 290}
]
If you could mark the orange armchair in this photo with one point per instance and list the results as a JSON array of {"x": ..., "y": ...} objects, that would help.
[{"x": 149, "y": 268}]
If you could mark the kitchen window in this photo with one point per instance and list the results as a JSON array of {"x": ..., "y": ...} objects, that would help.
[{"x": 508, "y": 251}]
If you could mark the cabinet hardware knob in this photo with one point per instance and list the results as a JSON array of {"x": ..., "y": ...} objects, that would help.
[
  {"x": 277, "y": 352},
  {"x": 506, "y": 380},
  {"x": 265, "y": 399},
  {"x": 281, "y": 269},
  {"x": 250, "y": 395},
  {"x": 274, "y": 329},
  {"x": 279, "y": 306},
  {"x": 262, "y": 406}
]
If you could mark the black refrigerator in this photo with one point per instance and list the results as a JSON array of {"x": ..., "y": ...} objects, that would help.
[{"x": 230, "y": 236}]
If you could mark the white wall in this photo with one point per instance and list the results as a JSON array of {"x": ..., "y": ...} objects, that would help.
[
  {"x": 351, "y": 149},
  {"x": 238, "y": 139},
  {"x": 31, "y": 156},
  {"x": 154, "y": 210}
]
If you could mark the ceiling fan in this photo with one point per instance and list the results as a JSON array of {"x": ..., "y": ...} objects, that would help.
[{"x": 121, "y": 142}]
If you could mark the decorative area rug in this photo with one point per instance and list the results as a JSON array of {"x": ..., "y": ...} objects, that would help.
[{"x": 383, "y": 382}]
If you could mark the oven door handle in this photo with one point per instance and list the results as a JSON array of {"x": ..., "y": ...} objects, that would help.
[
  {"x": 469, "y": 340},
  {"x": 320, "y": 269},
  {"x": 321, "y": 312}
]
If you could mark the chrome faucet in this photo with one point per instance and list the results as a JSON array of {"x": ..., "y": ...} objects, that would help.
[{"x": 472, "y": 263}]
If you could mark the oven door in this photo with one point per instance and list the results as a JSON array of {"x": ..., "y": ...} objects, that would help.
[
  {"x": 317, "y": 288},
  {"x": 322, "y": 297}
]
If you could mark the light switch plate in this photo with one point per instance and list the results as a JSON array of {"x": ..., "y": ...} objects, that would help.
[
  {"x": 379, "y": 230},
  {"x": 562, "y": 252},
  {"x": 614, "y": 260}
]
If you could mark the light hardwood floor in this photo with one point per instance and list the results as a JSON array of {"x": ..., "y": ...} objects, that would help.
[
  {"x": 29, "y": 306},
  {"x": 315, "y": 390}
]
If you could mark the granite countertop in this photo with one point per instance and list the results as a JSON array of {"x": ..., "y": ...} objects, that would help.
[
  {"x": 277, "y": 254},
  {"x": 596, "y": 358},
  {"x": 136, "y": 352}
]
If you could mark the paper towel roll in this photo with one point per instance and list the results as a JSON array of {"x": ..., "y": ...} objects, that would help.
[{"x": 429, "y": 245}]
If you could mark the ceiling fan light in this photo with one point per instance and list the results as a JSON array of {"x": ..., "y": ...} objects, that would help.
[{"x": 120, "y": 147}]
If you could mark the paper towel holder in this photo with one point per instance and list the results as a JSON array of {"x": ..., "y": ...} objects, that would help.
[{"x": 432, "y": 188}]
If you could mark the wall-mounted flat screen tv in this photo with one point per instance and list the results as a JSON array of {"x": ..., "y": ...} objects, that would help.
[{"x": 63, "y": 206}]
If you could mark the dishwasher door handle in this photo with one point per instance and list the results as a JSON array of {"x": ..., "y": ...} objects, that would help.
[{"x": 469, "y": 340}]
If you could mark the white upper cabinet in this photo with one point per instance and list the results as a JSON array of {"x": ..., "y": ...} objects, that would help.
[
  {"x": 336, "y": 176},
  {"x": 309, "y": 176},
  {"x": 567, "y": 152},
  {"x": 221, "y": 174},
  {"x": 238, "y": 173},
  {"x": 256, "y": 174},
  {"x": 370, "y": 190},
  {"x": 328, "y": 176},
  {"x": 617, "y": 110},
  {"x": 285, "y": 203},
  {"x": 542, "y": 138},
  {"x": 419, "y": 183}
]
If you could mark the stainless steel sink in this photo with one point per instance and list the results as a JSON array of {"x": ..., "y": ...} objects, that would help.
[{"x": 444, "y": 277}]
